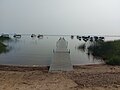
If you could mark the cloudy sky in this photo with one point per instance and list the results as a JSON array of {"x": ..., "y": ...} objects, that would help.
[{"x": 101, "y": 17}]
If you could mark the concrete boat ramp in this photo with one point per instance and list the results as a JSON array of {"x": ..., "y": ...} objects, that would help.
[{"x": 61, "y": 57}]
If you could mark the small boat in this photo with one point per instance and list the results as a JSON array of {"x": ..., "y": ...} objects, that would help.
[
  {"x": 78, "y": 37},
  {"x": 102, "y": 38},
  {"x": 91, "y": 39},
  {"x": 96, "y": 38},
  {"x": 17, "y": 36},
  {"x": 40, "y": 36},
  {"x": 72, "y": 36},
  {"x": 85, "y": 38},
  {"x": 33, "y": 35}
]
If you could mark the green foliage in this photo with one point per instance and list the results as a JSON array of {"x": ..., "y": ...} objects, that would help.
[
  {"x": 114, "y": 60},
  {"x": 4, "y": 38},
  {"x": 109, "y": 51},
  {"x": 3, "y": 48}
]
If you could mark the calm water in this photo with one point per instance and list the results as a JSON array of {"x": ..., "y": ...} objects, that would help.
[{"x": 34, "y": 51}]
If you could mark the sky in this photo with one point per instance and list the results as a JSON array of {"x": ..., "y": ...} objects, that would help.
[{"x": 80, "y": 17}]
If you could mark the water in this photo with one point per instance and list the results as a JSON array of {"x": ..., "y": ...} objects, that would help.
[{"x": 34, "y": 51}]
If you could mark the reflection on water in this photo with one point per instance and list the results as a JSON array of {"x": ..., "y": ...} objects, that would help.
[
  {"x": 39, "y": 51},
  {"x": 6, "y": 50},
  {"x": 3, "y": 48}
]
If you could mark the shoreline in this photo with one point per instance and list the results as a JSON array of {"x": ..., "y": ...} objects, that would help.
[
  {"x": 83, "y": 77},
  {"x": 10, "y": 67}
]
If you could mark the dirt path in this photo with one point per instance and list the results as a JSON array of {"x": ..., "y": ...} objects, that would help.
[{"x": 93, "y": 77}]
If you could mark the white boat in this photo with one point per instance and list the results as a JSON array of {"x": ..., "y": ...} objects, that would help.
[
  {"x": 40, "y": 36},
  {"x": 17, "y": 36},
  {"x": 33, "y": 35}
]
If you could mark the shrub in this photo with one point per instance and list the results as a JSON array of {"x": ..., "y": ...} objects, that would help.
[
  {"x": 4, "y": 38},
  {"x": 114, "y": 60},
  {"x": 109, "y": 51},
  {"x": 3, "y": 48}
]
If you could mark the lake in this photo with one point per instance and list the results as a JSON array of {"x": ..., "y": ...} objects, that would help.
[{"x": 35, "y": 51}]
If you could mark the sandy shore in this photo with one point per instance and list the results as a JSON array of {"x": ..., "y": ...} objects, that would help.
[{"x": 87, "y": 77}]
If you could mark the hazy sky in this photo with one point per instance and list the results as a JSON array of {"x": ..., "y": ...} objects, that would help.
[{"x": 60, "y": 16}]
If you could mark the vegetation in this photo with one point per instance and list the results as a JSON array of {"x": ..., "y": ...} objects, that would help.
[
  {"x": 4, "y": 38},
  {"x": 109, "y": 51},
  {"x": 3, "y": 48}
]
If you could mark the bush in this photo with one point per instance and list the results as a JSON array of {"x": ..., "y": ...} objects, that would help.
[
  {"x": 3, "y": 48},
  {"x": 114, "y": 60},
  {"x": 4, "y": 38},
  {"x": 109, "y": 51}
]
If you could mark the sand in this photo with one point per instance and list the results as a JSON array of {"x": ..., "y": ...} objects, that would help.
[{"x": 86, "y": 77}]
